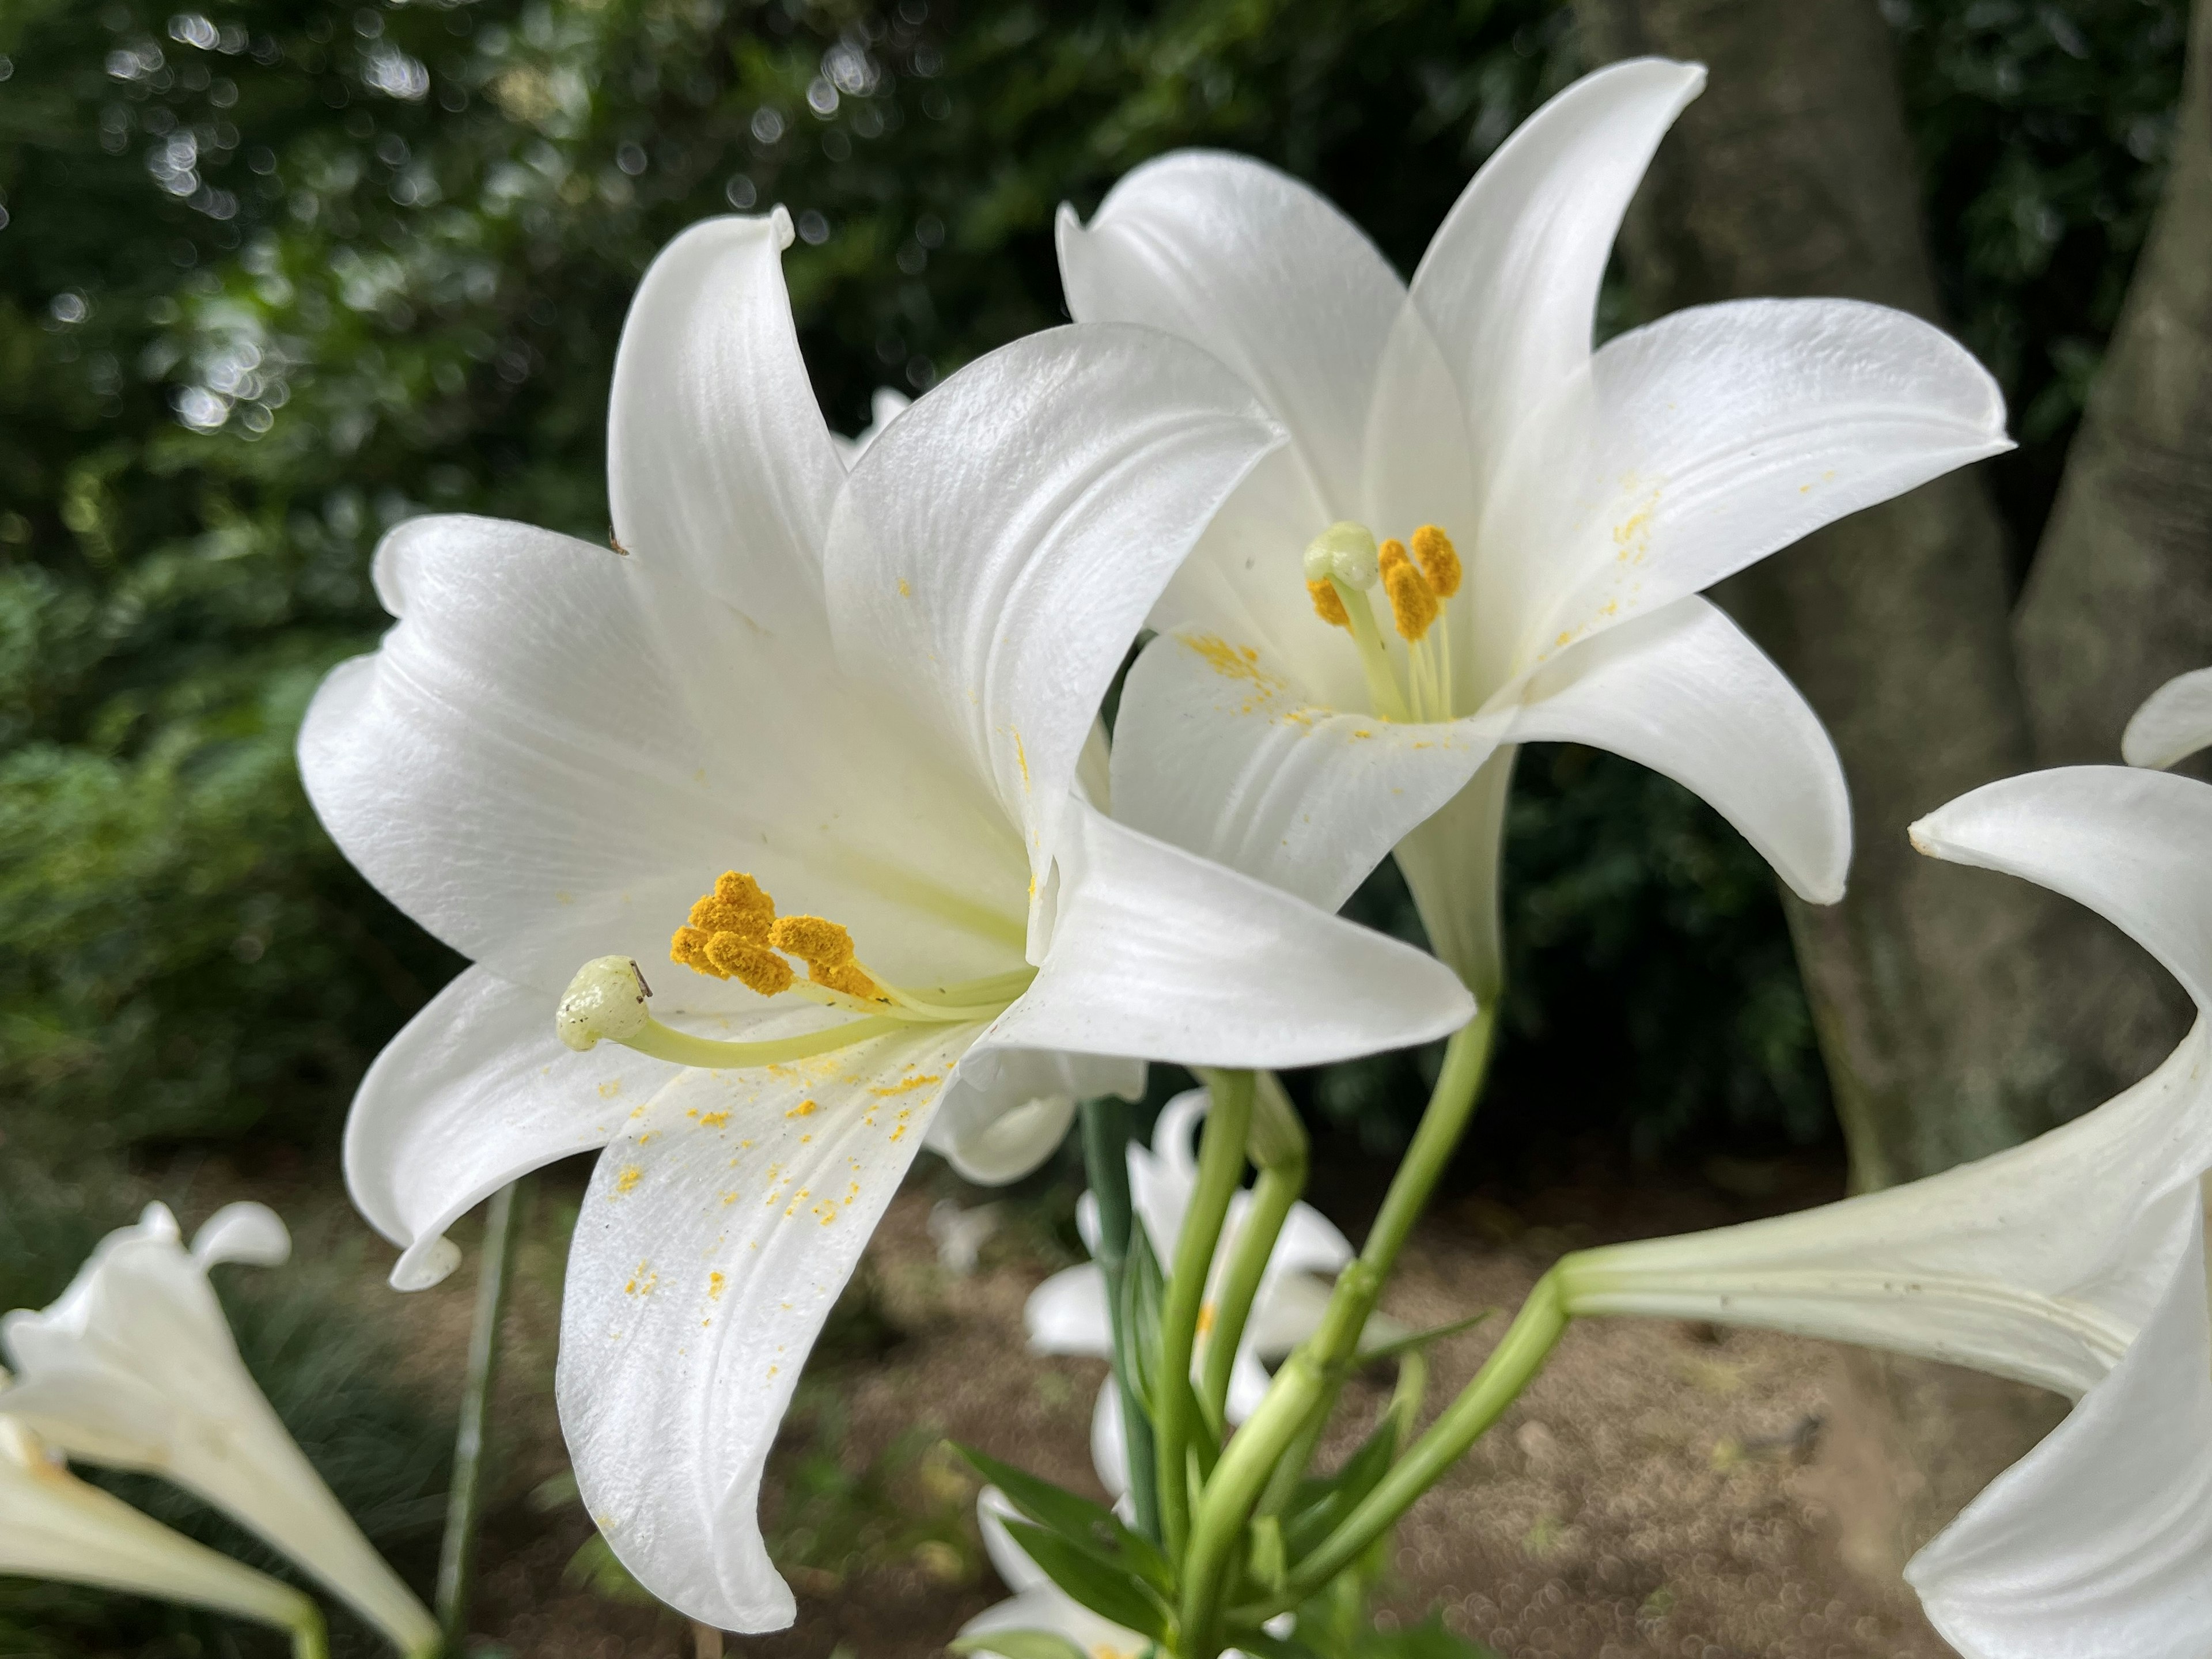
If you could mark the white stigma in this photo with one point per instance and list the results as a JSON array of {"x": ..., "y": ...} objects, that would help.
[
  {"x": 605, "y": 999},
  {"x": 1345, "y": 552}
]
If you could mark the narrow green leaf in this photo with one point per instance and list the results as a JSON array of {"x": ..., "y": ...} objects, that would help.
[
  {"x": 1391, "y": 1349},
  {"x": 1318, "y": 1512},
  {"x": 1427, "y": 1640},
  {"x": 1111, "y": 1592},
  {"x": 1019, "y": 1644},
  {"x": 1089, "y": 1526}
]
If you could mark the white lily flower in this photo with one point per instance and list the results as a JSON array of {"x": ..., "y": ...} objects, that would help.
[
  {"x": 1067, "y": 1313},
  {"x": 2075, "y": 1261},
  {"x": 872, "y": 692},
  {"x": 1564, "y": 508},
  {"x": 53, "y": 1525},
  {"x": 135, "y": 1368},
  {"x": 2174, "y": 722}
]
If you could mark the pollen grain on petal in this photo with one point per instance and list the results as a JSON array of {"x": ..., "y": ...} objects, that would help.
[
  {"x": 1412, "y": 601},
  {"x": 1439, "y": 559}
]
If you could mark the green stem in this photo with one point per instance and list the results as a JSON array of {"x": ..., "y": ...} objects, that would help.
[
  {"x": 311, "y": 1638},
  {"x": 1281, "y": 1157},
  {"x": 665, "y": 1042},
  {"x": 1359, "y": 1286},
  {"x": 465, "y": 1500},
  {"x": 1520, "y": 1354},
  {"x": 1106, "y": 1159},
  {"x": 1242, "y": 1474},
  {"x": 1220, "y": 1167}
]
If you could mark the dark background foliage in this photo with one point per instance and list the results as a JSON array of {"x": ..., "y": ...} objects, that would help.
[{"x": 279, "y": 275}]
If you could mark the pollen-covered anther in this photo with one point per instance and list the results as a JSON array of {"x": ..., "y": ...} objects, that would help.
[
  {"x": 736, "y": 906},
  {"x": 827, "y": 950},
  {"x": 753, "y": 966},
  {"x": 1439, "y": 559},
  {"x": 727, "y": 936},
  {"x": 1412, "y": 601},
  {"x": 1328, "y": 605}
]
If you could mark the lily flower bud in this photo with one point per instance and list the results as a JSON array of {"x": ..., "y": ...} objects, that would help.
[
  {"x": 1346, "y": 552},
  {"x": 605, "y": 999}
]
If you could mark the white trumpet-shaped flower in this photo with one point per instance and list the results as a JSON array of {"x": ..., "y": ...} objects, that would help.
[
  {"x": 2174, "y": 722},
  {"x": 1482, "y": 532},
  {"x": 53, "y": 1525},
  {"x": 2076, "y": 1261},
  {"x": 135, "y": 1368},
  {"x": 857, "y": 713},
  {"x": 1067, "y": 1314}
]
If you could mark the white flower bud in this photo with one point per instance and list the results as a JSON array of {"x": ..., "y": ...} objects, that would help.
[
  {"x": 605, "y": 999},
  {"x": 1344, "y": 551}
]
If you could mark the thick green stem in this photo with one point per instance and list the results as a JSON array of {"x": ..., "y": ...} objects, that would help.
[
  {"x": 1511, "y": 1366},
  {"x": 1280, "y": 1155},
  {"x": 1106, "y": 1158},
  {"x": 465, "y": 1500},
  {"x": 311, "y": 1638},
  {"x": 1220, "y": 1167},
  {"x": 1237, "y": 1482}
]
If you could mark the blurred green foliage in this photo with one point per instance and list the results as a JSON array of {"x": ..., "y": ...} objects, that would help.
[{"x": 280, "y": 275}]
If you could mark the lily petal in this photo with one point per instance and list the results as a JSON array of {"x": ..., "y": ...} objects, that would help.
[
  {"x": 2100, "y": 1540},
  {"x": 716, "y": 1235},
  {"x": 2130, "y": 845},
  {"x": 1006, "y": 1112},
  {"x": 993, "y": 1509},
  {"x": 1265, "y": 273},
  {"x": 719, "y": 467},
  {"x": 2174, "y": 722},
  {"x": 551, "y": 756},
  {"x": 1700, "y": 444},
  {"x": 1685, "y": 692},
  {"x": 1508, "y": 284},
  {"x": 134, "y": 1367},
  {"x": 475, "y": 1090},
  {"x": 53, "y": 1525},
  {"x": 995, "y": 551},
  {"x": 1067, "y": 1313},
  {"x": 244, "y": 1233},
  {"x": 1157, "y": 950},
  {"x": 1219, "y": 749}
]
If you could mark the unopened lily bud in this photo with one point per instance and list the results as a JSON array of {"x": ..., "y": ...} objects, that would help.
[
  {"x": 605, "y": 999},
  {"x": 1344, "y": 551}
]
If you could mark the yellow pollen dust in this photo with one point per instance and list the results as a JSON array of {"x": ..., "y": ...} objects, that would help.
[
  {"x": 1328, "y": 605},
  {"x": 1412, "y": 601},
  {"x": 827, "y": 950},
  {"x": 1439, "y": 559}
]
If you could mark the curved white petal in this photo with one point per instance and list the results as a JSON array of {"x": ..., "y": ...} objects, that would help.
[
  {"x": 1067, "y": 1313},
  {"x": 1701, "y": 443},
  {"x": 1451, "y": 861},
  {"x": 2098, "y": 1542},
  {"x": 1219, "y": 751},
  {"x": 1247, "y": 1383},
  {"x": 1685, "y": 692},
  {"x": 719, "y": 467},
  {"x": 1109, "y": 1440},
  {"x": 1157, "y": 951},
  {"x": 552, "y": 756},
  {"x": 1006, "y": 1112},
  {"x": 53, "y": 1525},
  {"x": 134, "y": 1366},
  {"x": 1266, "y": 275},
  {"x": 2174, "y": 722},
  {"x": 717, "y": 1232},
  {"x": 1287, "y": 1310},
  {"x": 1508, "y": 284},
  {"x": 243, "y": 1232},
  {"x": 475, "y": 1090},
  {"x": 884, "y": 407},
  {"x": 2040, "y": 1262},
  {"x": 993, "y": 1509},
  {"x": 2130, "y": 845},
  {"x": 1049, "y": 1609},
  {"x": 995, "y": 553}
]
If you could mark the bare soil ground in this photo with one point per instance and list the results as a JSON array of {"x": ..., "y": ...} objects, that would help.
[{"x": 1660, "y": 1489}]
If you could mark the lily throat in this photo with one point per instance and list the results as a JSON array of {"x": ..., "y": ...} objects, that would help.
[
  {"x": 1343, "y": 563},
  {"x": 734, "y": 932}
]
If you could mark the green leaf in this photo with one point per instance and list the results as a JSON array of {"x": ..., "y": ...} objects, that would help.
[
  {"x": 1111, "y": 1592},
  {"x": 1391, "y": 1349},
  {"x": 1318, "y": 1505},
  {"x": 1091, "y": 1527},
  {"x": 1427, "y": 1640},
  {"x": 1019, "y": 1644}
]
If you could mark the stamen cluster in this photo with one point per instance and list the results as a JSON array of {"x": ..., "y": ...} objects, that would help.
[
  {"x": 734, "y": 932},
  {"x": 1343, "y": 563}
]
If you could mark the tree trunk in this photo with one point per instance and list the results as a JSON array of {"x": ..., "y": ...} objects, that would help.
[
  {"x": 2120, "y": 597},
  {"x": 1958, "y": 1012}
]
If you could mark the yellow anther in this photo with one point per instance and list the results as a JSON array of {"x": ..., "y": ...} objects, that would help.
[
  {"x": 1330, "y": 608},
  {"x": 1412, "y": 601},
  {"x": 736, "y": 906},
  {"x": 753, "y": 966},
  {"x": 1439, "y": 559},
  {"x": 827, "y": 950}
]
